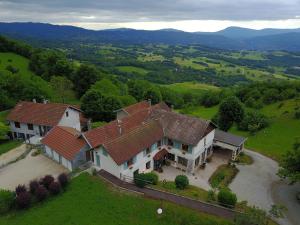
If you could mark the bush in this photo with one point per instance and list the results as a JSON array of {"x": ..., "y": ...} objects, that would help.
[
  {"x": 23, "y": 200},
  {"x": 33, "y": 186},
  {"x": 41, "y": 193},
  {"x": 20, "y": 189},
  {"x": 227, "y": 198},
  {"x": 140, "y": 180},
  {"x": 253, "y": 121},
  {"x": 151, "y": 177},
  {"x": 63, "y": 180},
  {"x": 54, "y": 188},
  {"x": 7, "y": 199},
  {"x": 47, "y": 180},
  {"x": 211, "y": 196},
  {"x": 181, "y": 182},
  {"x": 297, "y": 114}
]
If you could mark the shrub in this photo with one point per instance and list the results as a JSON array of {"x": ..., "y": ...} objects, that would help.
[
  {"x": 140, "y": 180},
  {"x": 7, "y": 199},
  {"x": 41, "y": 193},
  {"x": 20, "y": 189},
  {"x": 253, "y": 121},
  {"x": 47, "y": 180},
  {"x": 54, "y": 188},
  {"x": 297, "y": 114},
  {"x": 23, "y": 200},
  {"x": 33, "y": 185},
  {"x": 227, "y": 198},
  {"x": 211, "y": 196},
  {"x": 63, "y": 180},
  {"x": 151, "y": 177},
  {"x": 181, "y": 182}
]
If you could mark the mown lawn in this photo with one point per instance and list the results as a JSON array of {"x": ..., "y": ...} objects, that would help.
[
  {"x": 200, "y": 111},
  {"x": 193, "y": 87},
  {"x": 8, "y": 145},
  {"x": 191, "y": 191},
  {"x": 88, "y": 200}
]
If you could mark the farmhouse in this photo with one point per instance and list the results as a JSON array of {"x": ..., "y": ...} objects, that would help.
[
  {"x": 29, "y": 119},
  {"x": 143, "y": 138}
]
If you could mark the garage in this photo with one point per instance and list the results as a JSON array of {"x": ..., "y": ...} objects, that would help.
[
  {"x": 228, "y": 141},
  {"x": 65, "y": 146}
]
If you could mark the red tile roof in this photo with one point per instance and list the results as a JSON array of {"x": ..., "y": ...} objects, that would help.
[
  {"x": 128, "y": 145},
  {"x": 132, "y": 109},
  {"x": 161, "y": 154},
  {"x": 66, "y": 141},
  {"x": 37, "y": 113}
]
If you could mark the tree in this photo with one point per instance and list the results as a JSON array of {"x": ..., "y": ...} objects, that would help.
[
  {"x": 137, "y": 88},
  {"x": 231, "y": 110},
  {"x": 62, "y": 86},
  {"x": 290, "y": 164},
  {"x": 84, "y": 77},
  {"x": 92, "y": 104},
  {"x": 253, "y": 121},
  {"x": 153, "y": 94},
  {"x": 106, "y": 87},
  {"x": 3, "y": 130},
  {"x": 110, "y": 105}
]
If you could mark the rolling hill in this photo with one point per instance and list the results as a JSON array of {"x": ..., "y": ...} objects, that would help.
[{"x": 231, "y": 38}]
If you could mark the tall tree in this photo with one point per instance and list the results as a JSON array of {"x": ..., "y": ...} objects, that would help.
[
  {"x": 62, "y": 86},
  {"x": 153, "y": 94},
  {"x": 290, "y": 164}
]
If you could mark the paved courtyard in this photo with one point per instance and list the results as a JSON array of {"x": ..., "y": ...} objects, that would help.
[
  {"x": 27, "y": 169},
  {"x": 201, "y": 176}
]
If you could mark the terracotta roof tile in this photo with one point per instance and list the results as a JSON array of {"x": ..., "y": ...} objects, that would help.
[
  {"x": 37, "y": 113},
  {"x": 132, "y": 109},
  {"x": 66, "y": 141}
]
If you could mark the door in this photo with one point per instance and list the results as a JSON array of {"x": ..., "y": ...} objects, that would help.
[
  {"x": 97, "y": 160},
  {"x": 88, "y": 155}
]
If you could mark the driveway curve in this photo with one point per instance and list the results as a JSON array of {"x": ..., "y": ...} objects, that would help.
[{"x": 260, "y": 186}]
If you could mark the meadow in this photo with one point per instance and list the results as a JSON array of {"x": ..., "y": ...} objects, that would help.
[{"x": 88, "y": 200}]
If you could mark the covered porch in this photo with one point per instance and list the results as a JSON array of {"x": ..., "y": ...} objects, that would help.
[{"x": 229, "y": 142}]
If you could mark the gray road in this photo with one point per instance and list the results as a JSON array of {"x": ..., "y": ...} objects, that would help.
[{"x": 259, "y": 185}]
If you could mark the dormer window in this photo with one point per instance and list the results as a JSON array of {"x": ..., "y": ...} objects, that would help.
[{"x": 67, "y": 114}]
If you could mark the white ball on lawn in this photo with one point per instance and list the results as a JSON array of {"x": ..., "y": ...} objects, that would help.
[{"x": 159, "y": 211}]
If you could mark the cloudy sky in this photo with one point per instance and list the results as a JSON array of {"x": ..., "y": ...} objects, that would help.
[{"x": 188, "y": 15}]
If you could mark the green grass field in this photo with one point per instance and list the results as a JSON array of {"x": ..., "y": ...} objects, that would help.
[
  {"x": 193, "y": 87},
  {"x": 133, "y": 69},
  {"x": 3, "y": 116},
  {"x": 272, "y": 141},
  {"x": 88, "y": 200},
  {"x": 16, "y": 61},
  {"x": 8, "y": 145}
]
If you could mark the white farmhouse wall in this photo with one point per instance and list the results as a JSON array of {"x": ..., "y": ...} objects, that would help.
[
  {"x": 49, "y": 152},
  {"x": 107, "y": 163},
  {"x": 72, "y": 120},
  {"x": 24, "y": 129},
  {"x": 200, "y": 147}
]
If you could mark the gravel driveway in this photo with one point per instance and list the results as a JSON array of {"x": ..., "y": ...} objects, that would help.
[
  {"x": 27, "y": 169},
  {"x": 258, "y": 184}
]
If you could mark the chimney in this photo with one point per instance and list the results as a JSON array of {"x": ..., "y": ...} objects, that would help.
[{"x": 34, "y": 100}]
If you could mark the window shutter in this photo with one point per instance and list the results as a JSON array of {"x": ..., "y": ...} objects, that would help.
[
  {"x": 190, "y": 150},
  {"x": 125, "y": 166},
  {"x": 177, "y": 145}
]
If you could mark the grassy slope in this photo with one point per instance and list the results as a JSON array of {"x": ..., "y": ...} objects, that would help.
[
  {"x": 9, "y": 145},
  {"x": 89, "y": 200},
  {"x": 272, "y": 141},
  {"x": 193, "y": 87},
  {"x": 133, "y": 69}
]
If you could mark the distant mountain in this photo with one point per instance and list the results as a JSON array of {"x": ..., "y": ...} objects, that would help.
[
  {"x": 235, "y": 38},
  {"x": 245, "y": 33}
]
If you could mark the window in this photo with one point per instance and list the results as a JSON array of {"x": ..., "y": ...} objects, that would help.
[
  {"x": 182, "y": 161},
  {"x": 130, "y": 162},
  {"x": 30, "y": 126},
  {"x": 17, "y": 125},
  {"x": 171, "y": 157},
  {"x": 67, "y": 114},
  {"x": 159, "y": 143},
  {"x": 148, "y": 165},
  {"x": 148, "y": 151},
  {"x": 104, "y": 152},
  {"x": 170, "y": 142},
  {"x": 185, "y": 147}
]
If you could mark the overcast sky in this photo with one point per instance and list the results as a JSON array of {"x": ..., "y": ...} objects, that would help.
[{"x": 188, "y": 15}]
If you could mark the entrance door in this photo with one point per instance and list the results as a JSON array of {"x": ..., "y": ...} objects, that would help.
[{"x": 88, "y": 155}]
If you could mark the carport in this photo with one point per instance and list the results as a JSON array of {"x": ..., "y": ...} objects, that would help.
[{"x": 225, "y": 140}]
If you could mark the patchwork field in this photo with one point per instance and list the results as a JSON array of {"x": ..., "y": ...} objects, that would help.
[
  {"x": 88, "y": 200},
  {"x": 192, "y": 87}
]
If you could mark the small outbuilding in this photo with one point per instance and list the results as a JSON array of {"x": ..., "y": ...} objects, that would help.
[
  {"x": 66, "y": 146},
  {"x": 229, "y": 141}
]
